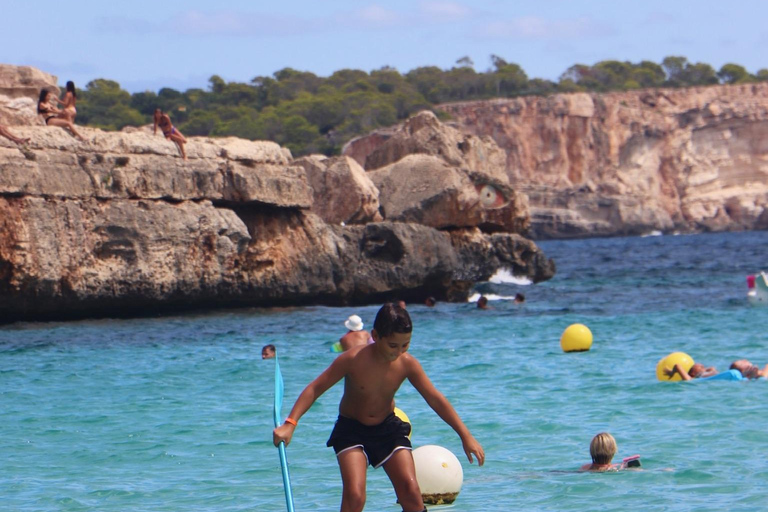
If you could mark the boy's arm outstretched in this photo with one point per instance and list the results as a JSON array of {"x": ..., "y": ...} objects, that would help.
[
  {"x": 312, "y": 392},
  {"x": 437, "y": 401}
]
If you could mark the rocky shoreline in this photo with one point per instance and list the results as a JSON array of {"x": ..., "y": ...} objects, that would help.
[{"x": 118, "y": 225}]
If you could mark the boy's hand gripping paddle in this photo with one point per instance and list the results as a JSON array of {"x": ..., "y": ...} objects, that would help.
[{"x": 279, "y": 389}]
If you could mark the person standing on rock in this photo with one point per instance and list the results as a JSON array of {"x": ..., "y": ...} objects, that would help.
[
  {"x": 70, "y": 99},
  {"x": 170, "y": 132},
  {"x": 52, "y": 115}
]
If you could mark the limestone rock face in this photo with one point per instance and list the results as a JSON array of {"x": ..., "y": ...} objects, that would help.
[
  {"x": 19, "y": 91},
  {"x": 119, "y": 225},
  {"x": 430, "y": 173},
  {"x": 425, "y": 134},
  {"x": 139, "y": 165},
  {"x": 425, "y": 189},
  {"x": 342, "y": 192},
  {"x": 626, "y": 163}
]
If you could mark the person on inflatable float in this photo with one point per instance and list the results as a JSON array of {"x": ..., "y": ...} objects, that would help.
[{"x": 698, "y": 370}]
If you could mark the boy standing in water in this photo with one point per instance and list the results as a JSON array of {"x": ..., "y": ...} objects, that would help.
[{"x": 367, "y": 430}]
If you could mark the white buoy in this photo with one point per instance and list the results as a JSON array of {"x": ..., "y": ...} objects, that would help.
[{"x": 439, "y": 474}]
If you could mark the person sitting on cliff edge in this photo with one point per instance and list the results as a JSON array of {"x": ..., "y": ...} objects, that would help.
[
  {"x": 8, "y": 135},
  {"x": 52, "y": 115}
]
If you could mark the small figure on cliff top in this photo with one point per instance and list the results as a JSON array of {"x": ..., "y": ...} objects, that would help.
[
  {"x": 69, "y": 111},
  {"x": 367, "y": 430},
  {"x": 170, "y": 132},
  {"x": 268, "y": 351},
  {"x": 356, "y": 335},
  {"x": 8, "y": 135},
  {"x": 52, "y": 115}
]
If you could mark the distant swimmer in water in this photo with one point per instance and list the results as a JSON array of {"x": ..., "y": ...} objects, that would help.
[
  {"x": 749, "y": 370},
  {"x": 356, "y": 335},
  {"x": 8, "y": 135},
  {"x": 430, "y": 302},
  {"x": 602, "y": 449},
  {"x": 170, "y": 132},
  {"x": 697, "y": 371},
  {"x": 519, "y": 298},
  {"x": 268, "y": 351},
  {"x": 52, "y": 115},
  {"x": 482, "y": 302}
]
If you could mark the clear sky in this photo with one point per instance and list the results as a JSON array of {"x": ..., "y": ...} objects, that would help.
[{"x": 146, "y": 45}]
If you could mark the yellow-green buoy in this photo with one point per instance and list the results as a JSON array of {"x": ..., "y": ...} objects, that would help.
[
  {"x": 669, "y": 362},
  {"x": 576, "y": 338},
  {"x": 404, "y": 417}
]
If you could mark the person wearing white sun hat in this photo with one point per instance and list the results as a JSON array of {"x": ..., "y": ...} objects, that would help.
[{"x": 356, "y": 335}]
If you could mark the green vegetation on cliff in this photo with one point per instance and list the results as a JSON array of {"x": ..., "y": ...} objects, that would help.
[{"x": 312, "y": 114}]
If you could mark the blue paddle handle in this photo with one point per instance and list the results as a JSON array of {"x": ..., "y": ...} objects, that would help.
[
  {"x": 286, "y": 478},
  {"x": 279, "y": 389}
]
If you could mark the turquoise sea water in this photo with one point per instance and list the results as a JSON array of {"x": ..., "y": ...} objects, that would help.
[{"x": 174, "y": 414}]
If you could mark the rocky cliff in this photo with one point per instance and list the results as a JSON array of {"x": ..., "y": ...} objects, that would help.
[
  {"x": 631, "y": 162},
  {"x": 19, "y": 89},
  {"x": 119, "y": 225},
  {"x": 624, "y": 163}
]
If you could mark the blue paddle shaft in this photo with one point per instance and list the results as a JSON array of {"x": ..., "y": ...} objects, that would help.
[{"x": 279, "y": 391}]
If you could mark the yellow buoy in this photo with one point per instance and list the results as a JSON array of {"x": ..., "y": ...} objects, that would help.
[
  {"x": 669, "y": 362},
  {"x": 404, "y": 417},
  {"x": 576, "y": 338}
]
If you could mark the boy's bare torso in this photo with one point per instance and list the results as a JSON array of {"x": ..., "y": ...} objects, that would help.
[{"x": 370, "y": 384}]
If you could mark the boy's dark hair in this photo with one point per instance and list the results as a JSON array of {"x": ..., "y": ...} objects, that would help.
[
  {"x": 391, "y": 319},
  {"x": 270, "y": 347}
]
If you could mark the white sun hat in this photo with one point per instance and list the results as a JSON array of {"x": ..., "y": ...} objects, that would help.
[{"x": 354, "y": 323}]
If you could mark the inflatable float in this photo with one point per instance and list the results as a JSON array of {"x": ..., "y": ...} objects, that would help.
[{"x": 729, "y": 375}]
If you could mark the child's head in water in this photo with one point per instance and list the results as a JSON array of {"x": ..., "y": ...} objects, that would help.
[{"x": 602, "y": 448}]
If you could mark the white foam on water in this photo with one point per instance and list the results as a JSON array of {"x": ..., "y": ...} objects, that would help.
[
  {"x": 505, "y": 276},
  {"x": 491, "y": 297}
]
